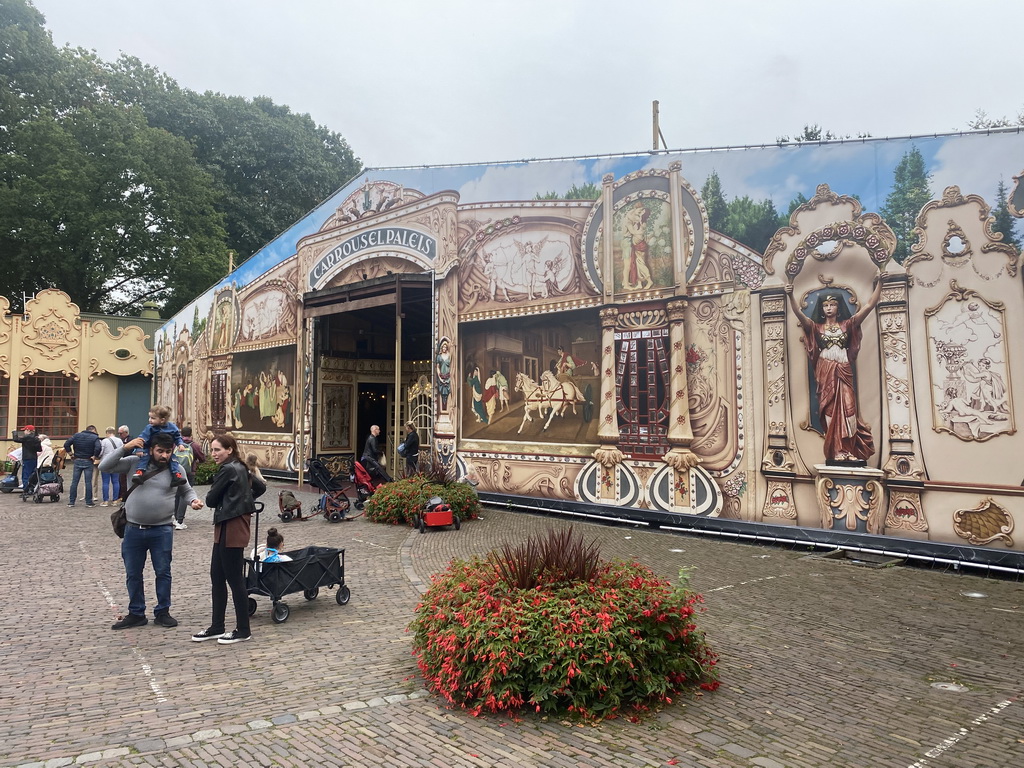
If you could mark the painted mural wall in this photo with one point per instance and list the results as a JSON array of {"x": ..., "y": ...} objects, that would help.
[{"x": 776, "y": 334}]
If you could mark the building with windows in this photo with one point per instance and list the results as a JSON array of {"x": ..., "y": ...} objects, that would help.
[
  {"x": 634, "y": 345},
  {"x": 63, "y": 369}
]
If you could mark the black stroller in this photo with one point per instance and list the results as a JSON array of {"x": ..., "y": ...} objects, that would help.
[
  {"x": 46, "y": 482},
  {"x": 308, "y": 569},
  {"x": 334, "y": 503}
]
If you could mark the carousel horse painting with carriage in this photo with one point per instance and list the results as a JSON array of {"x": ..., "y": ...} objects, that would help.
[{"x": 532, "y": 380}]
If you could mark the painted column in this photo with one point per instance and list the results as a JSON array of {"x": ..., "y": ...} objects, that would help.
[
  {"x": 679, "y": 256},
  {"x": 680, "y": 433},
  {"x": 607, "y": 242},
  {"x": 446, "y": 362},
  {"x": 608, "y": 455},
  {"x": 777, "y": 464},
  {"x": 904, "y": 475}
]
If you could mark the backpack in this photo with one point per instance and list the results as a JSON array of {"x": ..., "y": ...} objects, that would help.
[{"x": 184, "y": 456}]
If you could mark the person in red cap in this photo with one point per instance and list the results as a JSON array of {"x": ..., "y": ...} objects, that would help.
[{"x": 30, "y": 448}]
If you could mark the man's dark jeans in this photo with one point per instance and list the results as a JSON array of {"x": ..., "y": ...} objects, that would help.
[
  {"x": 27, "y": 468},
  {"x": 82, "y": 466},
  {"x": 157, "y": 541}
]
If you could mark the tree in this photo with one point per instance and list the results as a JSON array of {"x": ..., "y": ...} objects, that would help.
[
  {"x": 1003, "y": 221},
  {"x": 117, "y": 185},
  {"x": 28, "y": 64},
  {"x": 910, "y": 192},
  {"x": 714, "y": 201},
  {"x": 795, "y": 203},
  {"x": 982, "y": 121},
  {"x": 575, "y": 192},
  {"x": 109, "y": 210},
  {"x": 272, "y": 166},
  {"x": 816, "y": 133},
  {"x": 751, "y": 223}
]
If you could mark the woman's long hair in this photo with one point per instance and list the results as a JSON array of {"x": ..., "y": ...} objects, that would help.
[{"x": 228, "y": 442}]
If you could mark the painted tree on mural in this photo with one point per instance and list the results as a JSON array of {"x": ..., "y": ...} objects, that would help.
[
  {"x": 575, "y": 192},
  {"x": 910, "y": 193},
  {"x": 1003, "y": 220},
  {"x": 118, "y": 186},
  {"x": 748, "y": 221},
  {"x": 714, "y": 201}
]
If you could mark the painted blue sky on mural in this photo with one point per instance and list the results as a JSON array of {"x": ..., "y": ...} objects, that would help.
[{"x": 975, "y": 162}]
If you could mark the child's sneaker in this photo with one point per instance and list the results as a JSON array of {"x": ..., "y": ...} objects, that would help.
[
  {"x": 178, "y": 479},
  {"x": 137, "y": 477}
]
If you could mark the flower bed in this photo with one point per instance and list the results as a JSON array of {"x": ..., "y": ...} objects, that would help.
[
  {"x": 593, "y": 643},
  {"x": 398, "y": 502}
]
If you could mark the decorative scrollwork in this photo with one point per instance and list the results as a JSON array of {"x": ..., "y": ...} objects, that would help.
[
  {"x": 645, "y": 318},
  {"x": 984, "y": 524}
]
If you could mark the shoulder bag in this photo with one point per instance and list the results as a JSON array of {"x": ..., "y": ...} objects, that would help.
[{"x": 119, "y": 517}]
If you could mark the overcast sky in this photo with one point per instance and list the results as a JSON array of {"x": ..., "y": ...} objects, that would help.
[{"x": 416, "y": 82}]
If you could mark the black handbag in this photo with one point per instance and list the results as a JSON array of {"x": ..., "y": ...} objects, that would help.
[
  {"x": 119, "y": 517},
  {"x": 119, "y": 520}
]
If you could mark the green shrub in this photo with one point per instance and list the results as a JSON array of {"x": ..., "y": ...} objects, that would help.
[
  {"x": 621, "y": 642},
  {"x": 398, "y": 502},
  {"x": 205, "y": 471}
]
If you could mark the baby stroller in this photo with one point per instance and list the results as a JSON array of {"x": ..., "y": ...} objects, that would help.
[
  {"x": 365, "y": 485},
  {"x": 334, "y": 503},
  {"x": 47, "y": 481}
]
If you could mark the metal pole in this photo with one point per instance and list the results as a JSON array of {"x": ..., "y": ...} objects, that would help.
[
  {"x": 397, "y": 433},
  {"x": 657, "y": 130}
]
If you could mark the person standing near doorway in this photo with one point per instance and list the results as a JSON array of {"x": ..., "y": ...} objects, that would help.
[
  {"x": 30, "y": 449},
  {"x": 412, "y": 449},
  {"x": 85, "y": 446}
]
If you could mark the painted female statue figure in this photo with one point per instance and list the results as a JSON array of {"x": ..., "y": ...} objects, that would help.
[{"x": 832, "y": 340}]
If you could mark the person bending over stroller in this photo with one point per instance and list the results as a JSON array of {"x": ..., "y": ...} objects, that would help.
[
  {"x": 372, "y": 457},
  {"x": 159, "y": 422}
]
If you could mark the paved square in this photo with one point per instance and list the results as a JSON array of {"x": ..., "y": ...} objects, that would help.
[{"x": 822, "y": 663}]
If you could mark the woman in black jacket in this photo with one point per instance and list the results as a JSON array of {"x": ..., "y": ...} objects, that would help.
[
  {"x": 231, "y": 498},
  {"x": 412, "y": 449}
]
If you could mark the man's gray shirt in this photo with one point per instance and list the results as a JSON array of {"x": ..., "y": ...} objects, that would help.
[{"x": 152, "y": 502}]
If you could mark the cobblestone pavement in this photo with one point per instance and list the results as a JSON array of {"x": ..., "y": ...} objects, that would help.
[{"x": 822, "y": 662}]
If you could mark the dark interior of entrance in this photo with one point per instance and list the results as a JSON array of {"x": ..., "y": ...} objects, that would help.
[
  {"x": 372, "y": 408},
  {"x": 361, "y": 322}
]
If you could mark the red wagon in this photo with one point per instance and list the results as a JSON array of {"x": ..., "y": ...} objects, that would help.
[{"x": 436, "y": 514}]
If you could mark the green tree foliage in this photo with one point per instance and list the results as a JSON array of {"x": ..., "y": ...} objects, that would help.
[
  {"x": 752, "y": 223},
  {"x": 117, "y": 185},
  {"x": 815, "y": 132},
  {"x": 714, "y": 201},
  {"x": 271, "y": 165},
  {"x": 1003, "y": 220},
  {"x": 910, "y": 192},
  {"x": 745, "y": 220},
  {"x": 102, "y": 206},
  {"x": 575, "y": 192},
  {"x": 982, "y": 121},
  {"x": 795, "y": 203}
]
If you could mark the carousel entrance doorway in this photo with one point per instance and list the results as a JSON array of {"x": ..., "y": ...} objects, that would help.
[{"x": 371, "y": 351}]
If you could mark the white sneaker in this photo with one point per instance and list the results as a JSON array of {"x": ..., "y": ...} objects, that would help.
[
  {"x": 105, "y": 504},
  {"x": 179, "y": 526}
]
